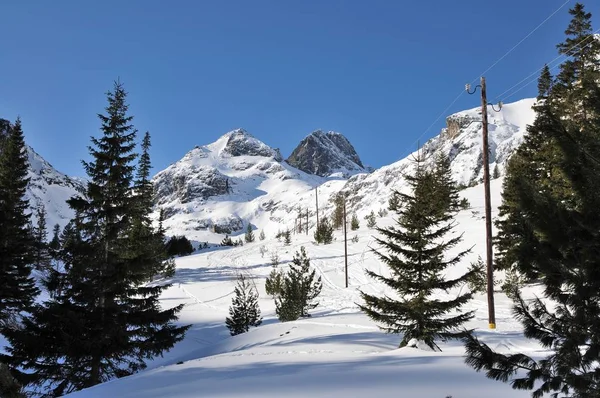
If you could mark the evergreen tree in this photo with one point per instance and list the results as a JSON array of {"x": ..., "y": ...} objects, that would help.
[
  {"x": 544, "y": 83},
  {"x": 447, "y": 189},
  {"x": 16, "y": 244},
  {"x": 274, "y": 283},
  {"x": 261, "y": 236},
  {"x": 337, "y": 218},
  {"x": 249, "y": 236},
  {"x": 550, "y": 230},
  {"x": 354, "y": 223},
  {"x": 106, "y": 321},
  {"x": 42, "y": 259},
  {"x": 324, "y": 232},
  {"x": 9, "y": 387},
  {"x": 299, "y": 289},
  {"x": 179, "y": 246},
  {"x": 371, "y": 219},
  {"x": 287, "y": 237},
  {"x": 495, "y": 173},
  {"x": 244, "y": 311},
  {"x": 417, "y": 257},
  {"x": 227, "y": 241}
]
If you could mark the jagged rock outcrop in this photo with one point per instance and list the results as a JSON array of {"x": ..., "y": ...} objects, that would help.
[{"x": 326, "y": 154}]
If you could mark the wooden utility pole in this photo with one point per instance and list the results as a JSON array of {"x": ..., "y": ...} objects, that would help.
[
  {"x": 307, "y": 221},
  {"x": 317, "y": 203},
  {"x": 488, "y": 209},
  {"x": 345, "y": 242}
]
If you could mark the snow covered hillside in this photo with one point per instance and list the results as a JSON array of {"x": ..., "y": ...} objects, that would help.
[
  {"x": 461, "y": 141},
  {"x": 219, "y": 188},
  {"x": 51, "y": 189},
  {"x": 238, "y": 180},
  {"x": 338, "y": 352}
]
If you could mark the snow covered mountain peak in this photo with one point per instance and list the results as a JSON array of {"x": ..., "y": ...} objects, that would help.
[
  {"x": 239, "y": 142},
  {"x": 326, "y": 154}
]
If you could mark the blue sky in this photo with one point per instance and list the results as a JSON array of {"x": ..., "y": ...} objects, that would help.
[{"x": 378, "y": 71}]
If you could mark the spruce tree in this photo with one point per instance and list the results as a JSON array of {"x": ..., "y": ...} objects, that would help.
[
  {"x": 447, "y": 189},
  {"x": 249, "y": 236},
  {"x": 287, "y": 237},
  {"x": 544, "y": 83},
  {"x": 354, "y": 223},
  {"x": 555, "y": 238},
  {"x": 261, "y": 236},
  {"x": 324, "y": 232},
  {"x": 106, "y": 321},
  {"x": 337, "y": 218},
  {"x": 18, "y": 289},
  {"x": 417, "y": 255},
  {"x": 299, "y": 289},
  {"x": 244, "y": 311},
  {"x": 42, "y": 259}
]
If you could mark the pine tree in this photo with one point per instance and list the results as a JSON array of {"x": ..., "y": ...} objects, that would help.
[
  {"x": 244, "y": 311},
  {"x": 417, "y": 257},
  {"x": 261, "y": 236},
  {"x": 106, "y": 321},
  {"x": 354, "y": 223},
  {"x": 496, "y": 172},
  {"x": 544, "y": 83},
  {"x": 9, "y": 387},
  {"x": 274, "y": 283},
  {"x": 447, "y": 189},
  {"x": 42, "y": 259},
  {"x": 324, "y": 232},
  {"x": 249, "y": 236},
  {"x": 550, "y": 233},
  {"x": 371, "y": 219},
  {"x": 227, "y": 241},
  {"x": 287, "y": 237},
  {"x": 16, "y": 244},
  {"x": 299, "y": 289},
  {"x": 337, "y": 219}
]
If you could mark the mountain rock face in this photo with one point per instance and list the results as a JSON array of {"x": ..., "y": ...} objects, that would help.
[
  {"x": 48, "y": 187},
  {"x": 217, "y": 188},
  {"x": 326, "y": 154}
]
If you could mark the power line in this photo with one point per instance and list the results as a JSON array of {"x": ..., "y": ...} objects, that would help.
[
  {"x": 521, "y": 41},
  {"x": 443, "y": 113},
  {"x": 536, "y": 72}
]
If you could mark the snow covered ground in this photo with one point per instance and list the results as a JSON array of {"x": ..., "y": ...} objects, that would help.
[{"x": 338, "y": 352}]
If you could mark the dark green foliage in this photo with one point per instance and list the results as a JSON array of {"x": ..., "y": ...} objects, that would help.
[
  {"x": 227, "y": 241},
  {"x": 464, "y": 204},
  {"x": 393, "y": 203},
  {"x": 104, "y": 321},
  {"x": 17, "y": 287},
  {"x": 354, "y": 223},
  {"x": 324, "y": 232},
  {"x": 179, "y": 246},
  {"x": 446, "y": 193},
  {"x": 371, "y": 220},
  {"x": 549, "y": 231},
  {"x": 249, "y": 236},
  {"x": 244, "y": 311},
  {"x": 477, "y": 281},
  {"x": 299, "y": 289},
  {"x": 274, "y": 283},
  {"x": 287, "y": 237},
  {"x": 9, "y": 386},
  {"x": 544, "y": 83},
  {"x": 417, "y": 257},
  {"x": 337, "y": 218},
  {"x": 496, "y": 172},
  {"x": 41, "y": 254}
]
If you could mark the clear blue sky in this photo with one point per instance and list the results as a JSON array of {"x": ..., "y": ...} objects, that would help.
[{"x": 378, "y": 71}]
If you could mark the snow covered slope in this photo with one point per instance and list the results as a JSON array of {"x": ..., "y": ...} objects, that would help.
[
  {"x": 51, "y": 189},
  {"x": 219, "y": 188},
  {"x": 338, "y": 352},
  {"x": 326, "y": 154},
  {"x": 461, "y": 141}
]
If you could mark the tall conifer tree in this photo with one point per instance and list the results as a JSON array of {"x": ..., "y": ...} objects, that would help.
[
  {"x": 106, "y": 321},
  {"x": 417, "y": 257},
  {"x": 550, "y": 231},
  {"x": 18, "y": 289}
]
